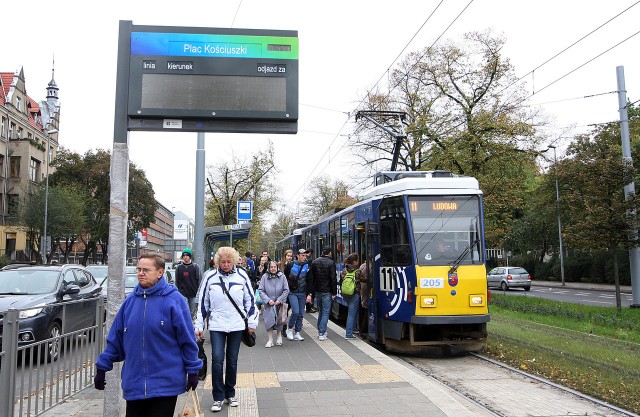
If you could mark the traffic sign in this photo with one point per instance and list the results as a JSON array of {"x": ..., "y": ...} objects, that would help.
[{"x": 245, "y": 210}]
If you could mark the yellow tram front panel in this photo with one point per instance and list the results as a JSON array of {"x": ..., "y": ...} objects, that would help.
[{"x": 439, "y": 293}]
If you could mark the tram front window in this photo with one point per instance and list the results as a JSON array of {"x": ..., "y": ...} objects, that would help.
[{"x": 446, "y": 228}]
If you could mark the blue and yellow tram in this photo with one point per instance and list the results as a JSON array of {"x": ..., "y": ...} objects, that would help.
[{"x": 422, "y": 236}]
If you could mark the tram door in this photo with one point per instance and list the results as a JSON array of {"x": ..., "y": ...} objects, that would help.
[{"x": 367, "y": 238}]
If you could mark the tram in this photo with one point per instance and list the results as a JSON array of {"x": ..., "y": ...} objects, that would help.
[{"x": 421, "y": 234}]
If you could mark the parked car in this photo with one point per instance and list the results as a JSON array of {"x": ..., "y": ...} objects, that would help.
[
  {"x": 99, "y": 272},
  {"x": 507, "y": 277},
  {"x": 130, "y": 282},
  {"x": 40, "y": 293}
]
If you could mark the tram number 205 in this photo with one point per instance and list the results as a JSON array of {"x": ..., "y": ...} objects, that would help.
[{"x": 388, "y": 277}]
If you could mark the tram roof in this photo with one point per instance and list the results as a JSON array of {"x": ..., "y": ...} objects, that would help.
[{"x": 430, "y": 182}]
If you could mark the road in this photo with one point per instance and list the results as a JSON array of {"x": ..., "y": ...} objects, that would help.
[{"x": 604, "y": 297}]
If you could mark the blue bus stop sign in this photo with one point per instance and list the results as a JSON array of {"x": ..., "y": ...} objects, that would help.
[{"x": 245, "y": 211}]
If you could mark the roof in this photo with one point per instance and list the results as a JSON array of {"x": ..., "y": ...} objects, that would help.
[{"x": 34, "y": 117}]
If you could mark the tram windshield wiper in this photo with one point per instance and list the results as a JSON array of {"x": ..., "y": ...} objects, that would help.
[{"x": 462, "y": 257}]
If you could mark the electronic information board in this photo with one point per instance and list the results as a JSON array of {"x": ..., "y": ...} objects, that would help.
[{"x": 216, "y": 80}]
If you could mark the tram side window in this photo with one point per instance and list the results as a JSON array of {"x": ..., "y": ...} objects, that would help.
[{"x": 395, "y": 247}]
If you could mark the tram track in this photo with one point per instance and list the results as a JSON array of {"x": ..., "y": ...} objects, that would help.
[{"x": 504, "y": 391}]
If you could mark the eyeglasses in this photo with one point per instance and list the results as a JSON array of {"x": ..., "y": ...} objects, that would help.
[{"x": 145, "y": 270}]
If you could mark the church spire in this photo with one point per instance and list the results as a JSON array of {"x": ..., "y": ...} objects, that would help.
[{"x": 52, "y": 87}]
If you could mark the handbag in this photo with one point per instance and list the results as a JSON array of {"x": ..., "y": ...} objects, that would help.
[
  {"x": 249, "y": 339},
  {"x": 202, "y": 373},
  {"x": 193, "y": 409},
  {"x": 281, "y": 318}
]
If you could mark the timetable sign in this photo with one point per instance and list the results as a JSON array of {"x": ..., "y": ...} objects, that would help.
[{"x": 208, "y": 77}]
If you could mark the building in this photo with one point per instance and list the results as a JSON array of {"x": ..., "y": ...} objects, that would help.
[
  {"x": 183, "y": 233},
  {"x": 154, "y": 237},
  {"x": 27, "y": 130}
]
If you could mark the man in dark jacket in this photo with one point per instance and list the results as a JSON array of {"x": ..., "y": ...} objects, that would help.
[
  {"x": 187, "y": 279},
  {"x": 325, "y": 288}
]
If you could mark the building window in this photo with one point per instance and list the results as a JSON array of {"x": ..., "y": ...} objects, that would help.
[
  {"x": 1, "y": 166},
  {"x": 14, "y": 167},
  {"x": 29, "y": 135},
  {"x": 12, "y": 204},
  {"x": 19, "y": 133},
  {"x": 12, "y": 129},
  {"x": 34, "y": 170},
  {"x": 19, "y": 103},
  {"x": 2, "y": 127}
]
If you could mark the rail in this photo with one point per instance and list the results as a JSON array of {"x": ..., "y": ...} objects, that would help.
[{"x": 31, "y": 382}]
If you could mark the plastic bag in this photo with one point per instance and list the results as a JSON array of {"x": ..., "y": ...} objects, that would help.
[
  {"x": 202, "y": 373},
  {"x": 281, "y": 318},
  {"x": 258, "y": 299}
]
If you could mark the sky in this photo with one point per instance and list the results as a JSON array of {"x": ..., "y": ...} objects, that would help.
[{"x": 346, "y": 48}]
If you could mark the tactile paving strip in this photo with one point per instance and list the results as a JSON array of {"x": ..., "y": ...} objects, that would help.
[{"x": 371, "y": 374}]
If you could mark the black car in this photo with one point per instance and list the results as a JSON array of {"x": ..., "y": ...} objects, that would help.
[{"x": 39, "y": 292}]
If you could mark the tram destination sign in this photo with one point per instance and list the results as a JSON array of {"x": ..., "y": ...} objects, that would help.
[{"x": 213, "y": 79}]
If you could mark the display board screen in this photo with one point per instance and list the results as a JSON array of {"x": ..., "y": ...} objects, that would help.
[{"x": 212, "y": 74}]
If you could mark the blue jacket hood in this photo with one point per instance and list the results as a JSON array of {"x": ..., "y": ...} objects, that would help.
[{"x": 162, "y": 287}]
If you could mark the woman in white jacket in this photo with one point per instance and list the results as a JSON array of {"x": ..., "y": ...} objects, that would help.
[{"x": 225, "y": 322}]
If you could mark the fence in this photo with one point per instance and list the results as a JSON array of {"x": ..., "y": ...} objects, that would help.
[{"x": 31, "y": 382}]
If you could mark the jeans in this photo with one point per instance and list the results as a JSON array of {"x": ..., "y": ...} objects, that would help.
[
  {"x": 323, "y": 300},
  {"x": 298, "y": 302},
  {"x": 192, "y": 303},
  {"x": 226, "y": 389},
  {"x": 353, "y": 301}
]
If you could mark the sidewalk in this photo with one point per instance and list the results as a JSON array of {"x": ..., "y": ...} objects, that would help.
[
  {"x": 336, "y": 377},
  {"x": 625, "y": 289}
]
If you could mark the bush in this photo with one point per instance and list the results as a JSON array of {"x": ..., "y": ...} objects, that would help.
[{"x": 4, "y": 261}]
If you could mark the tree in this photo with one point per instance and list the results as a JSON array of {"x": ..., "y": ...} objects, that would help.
[
  {"x": 593, "y": 179},
  {"x": 90, "y": 175},
  {"x": 65, "y": 217},
  {"x": 241, "y": 180},
  {"x": 466, "y": 115},
  {"x": 324, "y": 195}
]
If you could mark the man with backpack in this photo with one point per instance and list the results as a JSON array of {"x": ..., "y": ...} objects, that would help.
[
  {"x": 325, "y": 288},
  {"x": 351, "y": 279}
]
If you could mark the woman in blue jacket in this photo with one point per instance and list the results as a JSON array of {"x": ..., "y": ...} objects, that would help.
[{"x": 153, "y": 334}]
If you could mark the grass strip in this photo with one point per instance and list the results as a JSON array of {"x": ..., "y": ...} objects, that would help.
[{"x": 593, "y": 358}]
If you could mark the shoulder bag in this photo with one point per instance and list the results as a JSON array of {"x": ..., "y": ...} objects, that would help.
[{"x": 248, "y": 339}]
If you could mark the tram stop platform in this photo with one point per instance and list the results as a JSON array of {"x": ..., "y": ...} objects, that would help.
[{"x": 334, "y": 377}]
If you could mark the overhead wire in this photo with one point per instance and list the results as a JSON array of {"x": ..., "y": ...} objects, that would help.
[
  {"x": 570, "y": 46},
  {"x": 298, "y": 191}
]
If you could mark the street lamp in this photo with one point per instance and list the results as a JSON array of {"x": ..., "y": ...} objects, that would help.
[
  {"x": 46, "y": 196},
  {"x": 555, "y": 165}
]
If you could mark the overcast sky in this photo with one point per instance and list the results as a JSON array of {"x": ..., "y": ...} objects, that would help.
[{"x": 345, "y": 48}]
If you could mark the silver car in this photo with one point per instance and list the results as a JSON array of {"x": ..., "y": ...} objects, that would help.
[{"x": 507, "y": 277}]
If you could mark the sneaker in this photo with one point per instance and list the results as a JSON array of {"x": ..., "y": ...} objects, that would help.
[
  {"x": 290, "y": 334},
  {"x": 279, "y": 341},
  {"x": 269, "y": 344},
  {"x": 323, "y": 336},
  {"x": 298, "y": 336},
  {"x": 313, "y": 310},
  {"x": 217, "y": 406},
  {"x": 352, "y": 337},
  {"x": 233, "y": 402}
]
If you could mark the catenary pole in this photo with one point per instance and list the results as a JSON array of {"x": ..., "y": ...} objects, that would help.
[
  {"x": 629, "y": 189},
  {"x": 198, "y": 243},
  {"x": 118, "y": 211}
]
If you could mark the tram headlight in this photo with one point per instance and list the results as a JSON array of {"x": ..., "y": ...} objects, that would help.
[
  {"x": 477, "y": 300},
  {"x": 428, "y": 301}
]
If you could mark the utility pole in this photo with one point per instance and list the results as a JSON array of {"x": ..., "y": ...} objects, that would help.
[
  {"x": 401, "y": 117},
  {"x": 555, "y": 165},
  {"x": 630, "y": 188}
]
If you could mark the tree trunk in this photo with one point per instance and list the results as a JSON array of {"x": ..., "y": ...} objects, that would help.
[{"x": 616, "y": 279}]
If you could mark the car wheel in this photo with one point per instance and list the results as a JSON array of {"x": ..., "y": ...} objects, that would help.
[
  {"x": 504, "y": 286},
  {"x": 53, "y": 346},
  {"x": 527, "y": 288}
]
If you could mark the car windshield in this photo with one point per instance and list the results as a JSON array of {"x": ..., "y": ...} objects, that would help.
[
  {"x": 446, "y": 228},
  {"x": 99, "y": 272},
  {"x": 130, "y": 281},
  {"x": 24, "y": 281},
  {"x": 517, "y": 271}
]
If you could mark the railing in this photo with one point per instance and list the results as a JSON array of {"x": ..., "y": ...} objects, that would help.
[{"x": 30, "y": 381}]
